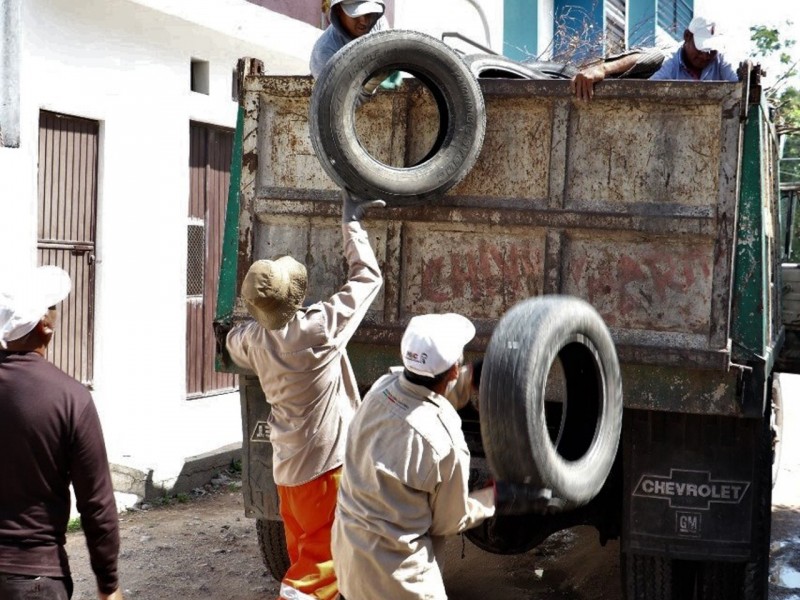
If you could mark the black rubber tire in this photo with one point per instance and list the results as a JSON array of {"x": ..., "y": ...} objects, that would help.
[
  {"x": 646, "y": 577},
  {"x": 776, "y": 424},
  {"x": 494, "y": 66},
  {"x": 756, "y": 572},
  {"x": 272, "y": 543},
  {"x": 552, "y": 70},
  {"x": 516, "y": 422},
  {"x": 462, "y": 116}
]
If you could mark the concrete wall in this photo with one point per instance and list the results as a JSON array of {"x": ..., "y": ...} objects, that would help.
[
  {"x": 127, "y": 65},
  {"x": 472, "y": 18}
]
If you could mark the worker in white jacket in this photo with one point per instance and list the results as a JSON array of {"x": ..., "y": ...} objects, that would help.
[
  {"x": 406, "y": 469},
  {"x": 302, "y": 365}
]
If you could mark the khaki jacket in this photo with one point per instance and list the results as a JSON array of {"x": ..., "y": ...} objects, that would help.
[
  {"x": 305, "y": 372},
  {"x": 404, "y": 487}
]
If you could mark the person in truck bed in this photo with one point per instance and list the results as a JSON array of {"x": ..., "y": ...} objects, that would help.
[
  {"x": 302, "y": 365},
  {"x": 697, "y": 59},
  {"x": 349, "y": 19}
]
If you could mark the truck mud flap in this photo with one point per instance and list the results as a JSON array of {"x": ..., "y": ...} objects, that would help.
[
  {"x": 258, "y": 486},
  {"x": 689, "y": 485}
]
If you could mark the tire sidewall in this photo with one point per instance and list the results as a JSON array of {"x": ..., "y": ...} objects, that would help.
[{"x": 332, "y": 118}]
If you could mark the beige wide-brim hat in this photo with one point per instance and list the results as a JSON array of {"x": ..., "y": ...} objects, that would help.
[{"x": 273, "y": 290}]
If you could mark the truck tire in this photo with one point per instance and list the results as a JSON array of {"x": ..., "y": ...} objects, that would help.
[
  {"x": 776, "y": 424},
  {"x": 462, "y": 116},
  {"x": 569, "y": 447},
  {"x": 646, "y": 577},
  {"x": 272, "y": 543},
  {"x": 493, "y": 66}
]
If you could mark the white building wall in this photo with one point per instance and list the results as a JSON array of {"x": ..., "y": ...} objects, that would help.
[
  {"x": 472, "y": 18},
  {"x": 127, "y": 65}
]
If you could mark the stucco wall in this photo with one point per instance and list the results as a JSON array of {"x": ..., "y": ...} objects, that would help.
[
  {"x": 127, "y": 65},
  {"x": 462, "y": 16}
]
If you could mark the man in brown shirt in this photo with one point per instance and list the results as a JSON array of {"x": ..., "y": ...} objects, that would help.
[{"x": 50, "y": 437}]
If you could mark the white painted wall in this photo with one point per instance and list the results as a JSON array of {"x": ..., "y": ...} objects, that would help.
[
  {"x": 545, "y": 32},
  {"x": 127, "y": 64},
  {"x": 437, "y": 16}
]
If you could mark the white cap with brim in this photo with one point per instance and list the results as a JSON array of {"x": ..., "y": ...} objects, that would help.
[
  {"x": 705, "y": 37},
  {"x": 359, "y": 9},
  {"x": 432, "y": 344},
  {"x": 25, "y": 300}
]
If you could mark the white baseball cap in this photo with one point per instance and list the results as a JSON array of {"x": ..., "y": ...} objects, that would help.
[
  {"x": 357, "y": 8},
  {"x": 432, "y": 344},
  {"x": 705, "y": 37},
  {"x": 24, "y": 300}
]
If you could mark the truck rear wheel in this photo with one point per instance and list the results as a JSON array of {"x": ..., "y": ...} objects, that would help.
[
  {"x": 567, "y": 446},
  {"x": 647, "y": 577},
  {"x": 462, "y": 116},
  {"x": 272, "y": 543}
]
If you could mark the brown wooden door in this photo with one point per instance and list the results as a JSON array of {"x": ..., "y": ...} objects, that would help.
[
  {"x": 68, "y": 151},
  {"x": 209, "y": 173}
]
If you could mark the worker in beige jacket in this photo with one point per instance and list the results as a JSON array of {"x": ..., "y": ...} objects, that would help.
[
  {"x": 301, "y": 361},
  {"x": 406, "y": 469}
]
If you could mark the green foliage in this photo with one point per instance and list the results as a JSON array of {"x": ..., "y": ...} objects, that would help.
[
  {"x": 767, "y": 41},
  {"x": 74, "y": 525}
]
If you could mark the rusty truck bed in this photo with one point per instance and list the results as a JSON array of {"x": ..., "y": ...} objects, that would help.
[{"x": 628, "y": 202}]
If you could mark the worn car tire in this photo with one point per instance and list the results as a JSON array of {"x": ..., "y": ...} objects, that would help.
[
  {"x": 569, "y": 448},
  {"x": 272, "y": 543},
  {"x": 551, "y": 70},
  {"x": 493, "y": 66},
  {"x": 462, "y": 116}
]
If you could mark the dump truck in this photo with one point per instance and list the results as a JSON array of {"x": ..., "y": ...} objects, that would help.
[{"x": 657, "y": 203}]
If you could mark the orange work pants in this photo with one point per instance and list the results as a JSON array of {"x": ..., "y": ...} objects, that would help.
[{"x": 307, "y": 511}]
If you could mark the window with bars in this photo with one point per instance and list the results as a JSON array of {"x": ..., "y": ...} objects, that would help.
[
  {"x": 195, "y": 259},
  {"x": 615, "y": 16},
  {"x": 674, "y": 16}
]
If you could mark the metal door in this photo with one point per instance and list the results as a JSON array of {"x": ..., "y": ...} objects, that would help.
[
  {"x": 209, "y": 173},
  {"x": 68, "y": 152}
]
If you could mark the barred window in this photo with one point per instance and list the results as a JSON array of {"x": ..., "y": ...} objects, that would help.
[
  {"x": 615, "y": 26},
  {"x": 195, "y": 259},
  {"x": 674, "y": 16}
]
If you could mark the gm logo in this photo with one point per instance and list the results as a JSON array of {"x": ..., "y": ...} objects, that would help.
[
  {"x": 691, "y": 489},
  {"x": 688, "y": 523},
  {"x": 260, "y": 432}
]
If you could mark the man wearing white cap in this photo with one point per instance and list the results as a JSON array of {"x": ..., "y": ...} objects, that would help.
[
  {"x": 699, "y": 57},
  {"x": 349, "y": 19},
  {"x": 50, "y": 437},
  {"x": 406, "y": 469},
  {"x": 299, "y": 354}
]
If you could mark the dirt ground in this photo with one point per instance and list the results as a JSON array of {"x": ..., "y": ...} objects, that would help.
[
  {"x": 204, "y": 547},
  {"x": 201, "y": 547}
]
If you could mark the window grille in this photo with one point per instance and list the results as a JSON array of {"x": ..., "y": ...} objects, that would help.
[
  {"x": 674, "y": 17},
  {"x": 615, "y": 26},
  {"x": 195, "y": 259}
]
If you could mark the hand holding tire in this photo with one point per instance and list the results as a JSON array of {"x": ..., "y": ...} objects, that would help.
[
  {"x": 353, "y": 209},
  {"x": 522, "y": 499}
]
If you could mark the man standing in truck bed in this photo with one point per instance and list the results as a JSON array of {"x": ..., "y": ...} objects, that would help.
[
  {"x": 350, "y": 19},
  {"x": 300, "y": 358}
]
